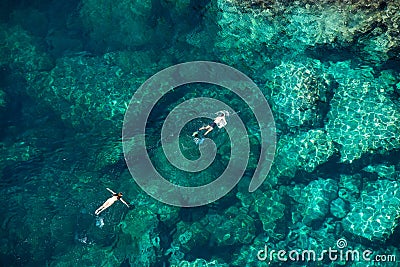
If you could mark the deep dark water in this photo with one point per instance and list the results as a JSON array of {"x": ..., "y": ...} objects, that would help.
[{"x": 328, "y": 69}]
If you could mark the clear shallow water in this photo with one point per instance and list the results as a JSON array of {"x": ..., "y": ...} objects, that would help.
[{"x": 68, "y": 69}]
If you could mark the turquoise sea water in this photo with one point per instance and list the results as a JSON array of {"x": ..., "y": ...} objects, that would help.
[{"x": 329, "y": 70}]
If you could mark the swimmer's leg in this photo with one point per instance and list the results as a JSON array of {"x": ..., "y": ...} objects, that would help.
[
  {"x": 97, "y": 212},
  {"x": 205, "y": 127},
  {"x": 100, "y": 209},
  {"x": 208, "y": 130}
]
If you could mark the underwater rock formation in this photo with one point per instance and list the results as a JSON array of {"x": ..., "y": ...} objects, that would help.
[
  {"x": 189, "y": 236},
  {"x": 314, "y": 200},
  {"x": 233, "y": 227},
  {"x": 122, "y": 24},
  {"x": 372, "y": 25},
  {"x": 383, "y": 171},
  {"x": 232, "y": 43},
  {"x": 349, "y": 187},
  {"x": 18, "y": 50},
  {"x": 303, "y": 151},
  {"x": 87, "y": 92},
  {"x": 236, "y": 227},
  {"x": 339, "y": 208},
  {"x": 362, "y": 118},
  {"x": 299, "y": 94},
  {"x": 376, "y": 215},
  {"x": 270, "y": 208},
  {"x": 136, "y": 24}
]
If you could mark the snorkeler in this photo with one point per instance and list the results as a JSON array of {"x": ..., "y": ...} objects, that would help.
[
  {"x": 219, "y": 121},
  {"x": 115, "y": 197}
]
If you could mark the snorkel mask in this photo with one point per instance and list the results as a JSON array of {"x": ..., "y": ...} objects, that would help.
[{"x": 222, "y": 112}]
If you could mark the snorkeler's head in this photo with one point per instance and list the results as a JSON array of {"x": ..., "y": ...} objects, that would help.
[{"x": 223, "y": 113}]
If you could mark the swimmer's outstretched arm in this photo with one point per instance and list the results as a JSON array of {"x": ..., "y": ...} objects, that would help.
[
  {"x": 112, "y": 192},
  {"x": 123, "y": 201}
]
